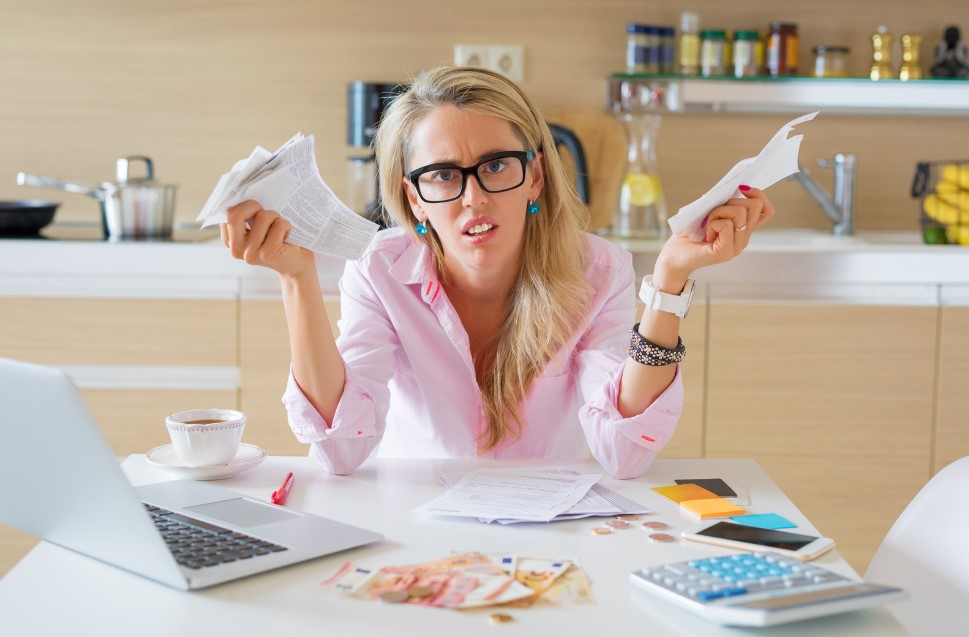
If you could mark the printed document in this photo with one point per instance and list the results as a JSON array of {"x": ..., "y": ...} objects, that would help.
[
  {"x": 289, "y": 183},
  {"x": 776, "y": 161},
  {"x": 521, "y": 494}
]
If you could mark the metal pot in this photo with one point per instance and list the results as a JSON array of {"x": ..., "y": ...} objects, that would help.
[{"x": 131, "y": 207}]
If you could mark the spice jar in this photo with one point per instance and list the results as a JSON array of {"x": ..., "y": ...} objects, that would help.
[
  {"x": 635, "y": 48},
  {"x": 746, "y": 62},
  {"x": 830, "y": 61},
  {"x": 782, "y": 49},
  {"x": 712, "y": 61}
]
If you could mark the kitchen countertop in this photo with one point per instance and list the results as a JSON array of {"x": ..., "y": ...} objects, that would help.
[{"x": 779, "y": 263}]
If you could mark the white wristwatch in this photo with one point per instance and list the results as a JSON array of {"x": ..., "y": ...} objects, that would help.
[{"x": 656, "y": 300}]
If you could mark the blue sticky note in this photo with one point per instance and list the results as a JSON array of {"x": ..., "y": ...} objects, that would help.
[{"x": 764, "y": 521}]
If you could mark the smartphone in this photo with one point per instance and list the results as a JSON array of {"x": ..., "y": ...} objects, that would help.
[{"x": 749, "y": 538}]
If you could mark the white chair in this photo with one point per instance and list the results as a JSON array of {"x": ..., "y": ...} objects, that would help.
[{"x": 926, "y": 552}]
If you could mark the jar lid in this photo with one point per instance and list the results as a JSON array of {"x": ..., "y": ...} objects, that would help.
[
  {"x": 671, "y": 31},
  {"x": 783, "y": 25},
  {"x": 633, "y": 27},
  {"x": 747, "y": 35},
  {"x": 713, "y": 34},
  {"x": 826, "y": 48}
]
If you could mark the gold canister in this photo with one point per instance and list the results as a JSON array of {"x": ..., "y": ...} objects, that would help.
[
  {"x": 881, "y": 66},
  {"x": 911, "y": 57}
]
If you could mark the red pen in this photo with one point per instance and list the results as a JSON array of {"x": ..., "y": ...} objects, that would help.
[{"x": 279, "y": 496}]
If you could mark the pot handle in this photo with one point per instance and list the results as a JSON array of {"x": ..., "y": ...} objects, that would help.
[
  {"x": 121, "y": 172},
  {"x": 23, "y": 179}
]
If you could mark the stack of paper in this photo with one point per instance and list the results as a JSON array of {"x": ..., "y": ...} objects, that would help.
[
  {"x": 543, "y": 494},
  {"x": 289, "y": 183}
]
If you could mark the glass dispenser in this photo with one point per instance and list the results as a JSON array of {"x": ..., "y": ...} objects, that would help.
[{"x": 642, "y": 209}]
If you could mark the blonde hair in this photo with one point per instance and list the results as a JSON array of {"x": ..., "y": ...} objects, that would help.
[{"x": 549, "y": 298}]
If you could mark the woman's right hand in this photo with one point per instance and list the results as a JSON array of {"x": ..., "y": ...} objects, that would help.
[{"x": 258, "y": 237}]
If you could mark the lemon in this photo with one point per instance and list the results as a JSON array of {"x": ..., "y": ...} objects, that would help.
[
  {"x": 642, "y": 189},
  {"x": 955, "y": 196}
]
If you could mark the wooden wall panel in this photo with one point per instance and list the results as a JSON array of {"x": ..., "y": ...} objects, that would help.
[{"x": 178, "y": 81}]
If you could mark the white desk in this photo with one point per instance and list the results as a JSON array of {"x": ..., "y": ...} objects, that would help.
[{"x": 53, "y": 591}]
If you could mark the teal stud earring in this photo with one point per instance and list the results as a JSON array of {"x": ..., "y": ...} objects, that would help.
[
  {"x": 533, "y": 208},
  {"x": 421, "y": 228}
]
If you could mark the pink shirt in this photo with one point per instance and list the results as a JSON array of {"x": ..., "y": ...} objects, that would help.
[{"x": 410, "y": 383}]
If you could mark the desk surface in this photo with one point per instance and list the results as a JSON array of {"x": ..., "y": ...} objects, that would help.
[{"x": 55, "y": 591}]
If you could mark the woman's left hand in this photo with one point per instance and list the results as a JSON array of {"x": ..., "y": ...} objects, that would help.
[{"x": 727, "y": 228}]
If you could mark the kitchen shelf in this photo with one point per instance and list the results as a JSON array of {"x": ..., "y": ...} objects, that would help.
[{"x": 677, "y": 93}]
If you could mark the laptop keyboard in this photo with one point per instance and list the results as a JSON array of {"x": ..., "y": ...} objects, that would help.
[{"x": 197, "y": 544}]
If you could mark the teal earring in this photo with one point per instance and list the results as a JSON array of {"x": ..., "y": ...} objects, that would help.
[
  {"x": 421, "y": 228},
  {"x": 533, "y": 208}
]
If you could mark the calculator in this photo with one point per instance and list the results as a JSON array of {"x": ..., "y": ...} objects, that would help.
[{"x": 759, "y": 589}]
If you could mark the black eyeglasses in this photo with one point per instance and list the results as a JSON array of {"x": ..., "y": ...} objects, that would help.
[{"x": 497, "y": 172}]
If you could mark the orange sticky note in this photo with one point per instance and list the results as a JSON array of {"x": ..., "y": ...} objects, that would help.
[
  {"x": 712, "y": 508},
  {"x": 682, "y": 492}
]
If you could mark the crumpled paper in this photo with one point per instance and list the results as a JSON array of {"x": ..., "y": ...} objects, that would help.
[{"x": 776, "y": 161}]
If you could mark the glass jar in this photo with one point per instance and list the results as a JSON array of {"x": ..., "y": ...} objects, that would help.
[
  {"x": 745, "y": 59},
  {"x": 830, "y": 61},
  {"x": 712, "y": 60},
  {"x": 635, "y": 48},
  {"x": 667, "y": 44},
  {"x": 689, "y": 43},
  {"x": 653, "y": 48},
  {"x": 782, "y": 46}
]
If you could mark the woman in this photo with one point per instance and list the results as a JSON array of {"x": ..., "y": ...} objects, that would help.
[{"x": 488, "y": 323}]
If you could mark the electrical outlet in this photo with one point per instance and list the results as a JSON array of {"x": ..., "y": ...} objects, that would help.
[
  {"x": 507, "y": 59},
  {"x": 471, "y": 55}
]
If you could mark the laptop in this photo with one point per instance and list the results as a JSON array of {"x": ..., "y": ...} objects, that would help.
[{"x": 61, "y": 481}]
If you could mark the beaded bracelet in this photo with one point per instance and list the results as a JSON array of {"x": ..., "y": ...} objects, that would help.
[{"x": 646, "y": 353}]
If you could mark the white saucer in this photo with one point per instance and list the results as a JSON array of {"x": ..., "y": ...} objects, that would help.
[{"x": 247, "y": 457}]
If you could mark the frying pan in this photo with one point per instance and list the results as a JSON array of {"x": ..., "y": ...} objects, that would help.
[{"x": 26, "y": 217}]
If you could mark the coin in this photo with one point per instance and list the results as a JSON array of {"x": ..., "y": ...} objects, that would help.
[
  {"x": 601, "y": 530},
  {"x": 655, "y": 526},
  {"x": 661, "y": 537},
  {"x": 500, "y": 618},
  {"x": 618, "y": 524},
  {"x": 420, "y": 592},
  {"x": 628, "y": 517},
  {"x": 394, "y": 597}
]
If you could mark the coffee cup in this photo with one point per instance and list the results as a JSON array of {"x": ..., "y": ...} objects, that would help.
[{"x": 204, "y": 437}]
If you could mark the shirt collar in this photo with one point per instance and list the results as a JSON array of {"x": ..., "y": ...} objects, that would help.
[{"x": 414, "y": 264}]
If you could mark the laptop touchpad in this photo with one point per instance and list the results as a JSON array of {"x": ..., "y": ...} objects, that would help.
[{"x": 243, "y": 512}]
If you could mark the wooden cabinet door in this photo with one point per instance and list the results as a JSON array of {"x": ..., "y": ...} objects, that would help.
[
  {"x": 264, "y": 367},
  {"x": 952, "y": 434},
  {"x": 687, "y": 442},
  {"x": 833, "y": 401}
]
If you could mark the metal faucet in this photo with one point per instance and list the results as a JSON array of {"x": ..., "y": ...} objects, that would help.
[{"x": 841, "y": 208}]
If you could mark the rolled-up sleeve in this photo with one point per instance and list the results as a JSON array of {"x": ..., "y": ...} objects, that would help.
[
  {"x": 624, "y": 447},
  {"x": 368, "y": 343}
]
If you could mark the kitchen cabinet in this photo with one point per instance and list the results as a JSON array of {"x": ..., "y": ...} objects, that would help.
[
  {"x": 264, "y": 367},
  {"x": 687, "y": 442},
  {"x": 115, "y": 340},
  {"x": 952, "y": 437},
  {"x": 835, "y": 401}
]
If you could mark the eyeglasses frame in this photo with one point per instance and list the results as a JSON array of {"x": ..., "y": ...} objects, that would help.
[{"x": 524, "y": 156}]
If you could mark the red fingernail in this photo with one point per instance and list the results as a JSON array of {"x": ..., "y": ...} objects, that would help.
[
  {"x": 743, "y": 187},
  {"x": 703, "y": 224}
]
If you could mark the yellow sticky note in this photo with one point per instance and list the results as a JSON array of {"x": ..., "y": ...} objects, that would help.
[
  {"x": 682, "y": 492},
  {"x": 712, "y": 508}
]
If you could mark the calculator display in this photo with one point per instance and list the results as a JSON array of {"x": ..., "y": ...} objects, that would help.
[{"x": 761, "y": 537}]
